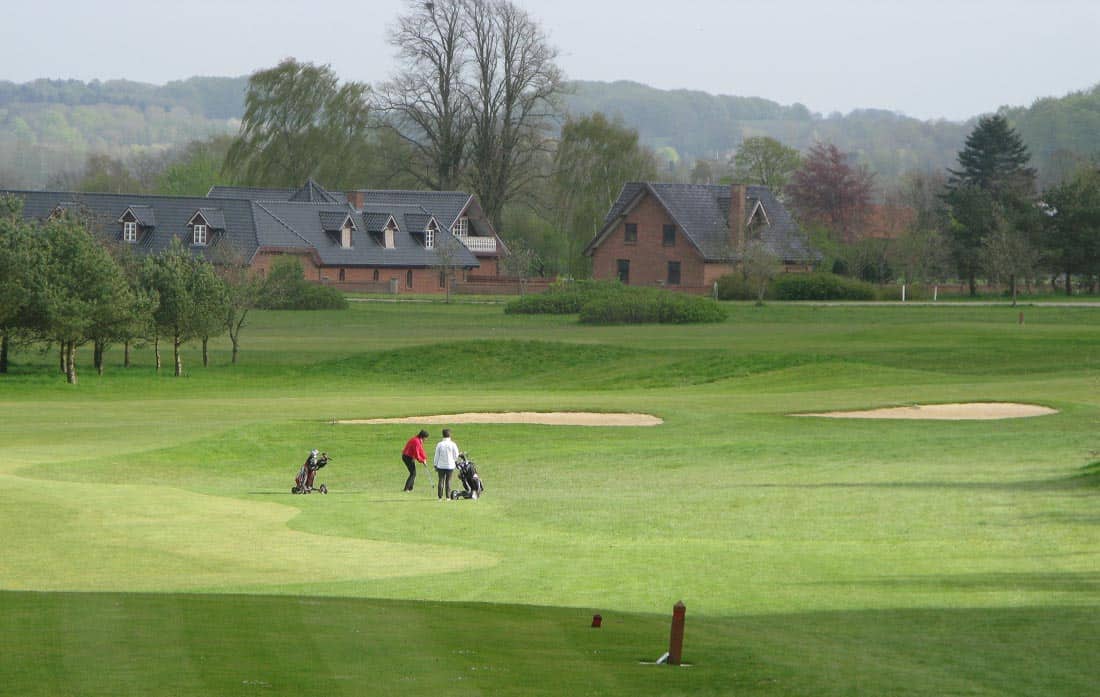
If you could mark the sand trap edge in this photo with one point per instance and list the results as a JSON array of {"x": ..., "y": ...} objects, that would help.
[
  {"x": 964, "y": 411},
  {"x": 554, "y": 418}
]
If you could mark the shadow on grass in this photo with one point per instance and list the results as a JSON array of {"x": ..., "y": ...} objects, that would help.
[
  {"x": 1061, "y": 582},
  {"x": 304, "y": 644},
  {"x": 1087, "y": 478}
]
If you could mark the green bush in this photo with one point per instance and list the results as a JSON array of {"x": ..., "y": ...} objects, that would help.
[
  {"x": 650, "y": 306},
  {"x": 734, "y": 286},
  {"x": 562, "y": 298},
  {"x": 286, "y": 289},
  {"x": 820, "y": 286}
]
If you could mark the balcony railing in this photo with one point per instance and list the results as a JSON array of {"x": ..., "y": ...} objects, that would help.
[{"x": 478, "y": 244}]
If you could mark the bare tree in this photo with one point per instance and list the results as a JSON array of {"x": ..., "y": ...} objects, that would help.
[
  {"x": 759, "y": 266},
  {"x": 513, "y": 99},
  {"x": 447, "y": 254},
  {"x": 425, "y": 102}
]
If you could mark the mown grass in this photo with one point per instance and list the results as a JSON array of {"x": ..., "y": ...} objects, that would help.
[{"x": 156, "y": 548}]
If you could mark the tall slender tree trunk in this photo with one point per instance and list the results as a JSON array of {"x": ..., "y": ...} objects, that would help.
[
  {"x": 126, "y": 354},
  {"x": 156, "y": 349},
  {"x": 205, "y": 358},
  {"x": 99, "y": 348},
  {"x": 62, "y": 367},
  {"x": 70, "y": 363},
  {"x": 4, "y": 353},
  {"x": 236, "y": 349},
  {"x": 1069, "y": 283},
  {"x": 176, "y": 355}
]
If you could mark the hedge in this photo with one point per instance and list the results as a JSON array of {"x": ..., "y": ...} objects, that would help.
[
  {"x": 820, "y": 286},
  {"x": 650, "y": 306}
]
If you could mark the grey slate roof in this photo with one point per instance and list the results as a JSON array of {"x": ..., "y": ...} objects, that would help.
[
  {"x": 144, "y": 215},
  {"x": 247, "y": 224},
  {"x": 701, "y": 211},
  {"x": 169, "y": 213},
  {"x": 291, "y": 223},
  {"x": 446, "y": 206},
  {"x": 214, "y": 217},
  {"x": 310, "y": 192}
]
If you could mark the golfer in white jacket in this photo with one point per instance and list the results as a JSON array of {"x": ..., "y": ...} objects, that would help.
[{"x": 446, "y": 453}]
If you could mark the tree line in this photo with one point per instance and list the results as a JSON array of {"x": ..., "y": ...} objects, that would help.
[
  {"x": 478, "y": 103},
  {"x": 985, "y": 218},
  {"x": 62, "y": 286}
]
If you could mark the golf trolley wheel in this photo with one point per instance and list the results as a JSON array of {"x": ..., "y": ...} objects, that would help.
[
  {"x": 294, "y": 490},
  {"x": 323, "y": 489}
]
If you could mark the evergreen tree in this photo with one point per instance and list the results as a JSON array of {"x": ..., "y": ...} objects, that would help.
[{"x": 993, "y": 183}]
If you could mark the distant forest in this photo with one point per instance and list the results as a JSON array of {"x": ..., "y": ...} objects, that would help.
[{"x": 48, "y": 128}]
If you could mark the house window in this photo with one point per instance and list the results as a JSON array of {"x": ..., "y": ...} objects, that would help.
[
  {"x": 673, "y": 273},
  {"x": 199, "y": 235},
  {"x": 623, "y": 270},
  {"x": 409, "y": 279},
  {"x": 345, "y": 238},
  {"x": 375, "y": 276},
  {"x": 341, "y": 275},
  {"x": 668, "y": 237},
  {"x": 129, "y": 231},
  {"x": 630, "y": 233},
  {"x": 462, "y": 227},
  {"x": 387, "y": 238},
  {"x": 429, "y": 238}
]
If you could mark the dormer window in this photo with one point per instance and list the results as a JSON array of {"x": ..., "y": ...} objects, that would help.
[
  {"x": 198, "y": 235},
  {"x": 462, "y": 227},
  {"x": 388, "y": 237},
  {"x": 345, "y": 237},
  {"x": 129, "y": 231}
]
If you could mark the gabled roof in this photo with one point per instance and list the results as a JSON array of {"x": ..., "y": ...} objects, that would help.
[
  {"x": 214, "y": 217},
  {"x": 446, "y": 206},
  {"x": 171, "y": 215},
  {"x": 143, "y": 215},
  {"x": 333, "y": 221},
  {"x": 296, "y": 224},
  {"x": 310, "y": 192},
  {"x": 702, "y": 211}
]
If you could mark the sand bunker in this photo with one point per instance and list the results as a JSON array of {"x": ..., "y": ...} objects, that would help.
[
  {"x": 979, "y": 411},
  {"x": 551, "y": 418}
]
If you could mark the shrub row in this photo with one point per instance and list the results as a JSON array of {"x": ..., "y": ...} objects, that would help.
[
  {"x": 799, "y": 286},
  {"x": 650, "y": 305},
  {"x": 562, "y": 298},
  {"x": 610, "y": 302}
]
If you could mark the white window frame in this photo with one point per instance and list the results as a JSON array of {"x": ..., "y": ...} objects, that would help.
[
  {"x": 462, "y": 227},
  {"x": 129, "y": 231},
  {"x": 345, "y": 237},
  {"x": 198, "y": 235},
  {"x": 429, "y": 238}
]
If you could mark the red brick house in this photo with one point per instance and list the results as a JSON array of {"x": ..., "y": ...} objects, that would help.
[{"x": 686, "y": 236}]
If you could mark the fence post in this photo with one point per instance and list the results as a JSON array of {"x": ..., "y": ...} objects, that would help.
[{"x": 676, "y": 635}]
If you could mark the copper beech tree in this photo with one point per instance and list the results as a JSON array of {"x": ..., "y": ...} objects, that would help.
[{"x": 830, "y": 191}]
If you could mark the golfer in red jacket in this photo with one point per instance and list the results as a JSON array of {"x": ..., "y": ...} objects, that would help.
[{"x": 412, "y": 454}]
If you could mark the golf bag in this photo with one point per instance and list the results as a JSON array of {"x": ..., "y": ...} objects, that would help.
[
  {"x": 472, "y": 488},
  {"x": 303, "y": 483}
]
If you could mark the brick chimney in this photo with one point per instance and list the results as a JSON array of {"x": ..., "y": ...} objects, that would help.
[
  {"x": 356, "y": 199},
  {"x": 737, "y": 214}
]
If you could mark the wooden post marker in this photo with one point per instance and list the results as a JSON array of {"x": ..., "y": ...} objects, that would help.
[{"x": 676, "y": 635}]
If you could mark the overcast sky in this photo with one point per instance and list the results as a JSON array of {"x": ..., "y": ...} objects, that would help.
[{"x": 925, "y": 58}]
